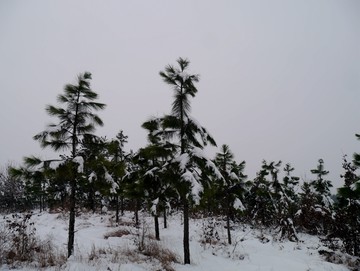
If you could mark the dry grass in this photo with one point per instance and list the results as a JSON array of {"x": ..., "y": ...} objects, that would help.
[
  {"x": 165, "y": 256},
  {"x": 117, "y": 233},
  {"x": 341, "y": 258},
  {"x": 46, "y": 255}
]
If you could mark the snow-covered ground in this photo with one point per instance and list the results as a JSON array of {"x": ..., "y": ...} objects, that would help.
[{"x": 252, "y": 250}]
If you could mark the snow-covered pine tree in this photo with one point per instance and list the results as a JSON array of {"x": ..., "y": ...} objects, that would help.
[
  {"x": 12, "y": 191},
  {"x": 191, "y": 139},
  {"x": 324, "y": 204},
  {"x": 75, "y": 120},
  {"x": 347, "y": 209},
  {"x": 117, "y": 169},
  {"x": 307, "y": 216},
  {"x": 152, "y": 158},
  {"x": 260, "y": 207},
  {"x": 231, "y": 189},
  {"x": 289, "y": 203},
  {"x": 132, "y": 184},
  {"x": 91, "y": 184},
  {"x": 315, "y": 210}
]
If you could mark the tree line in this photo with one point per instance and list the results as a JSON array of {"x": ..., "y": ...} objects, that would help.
[{"x": 172, "y": 172}]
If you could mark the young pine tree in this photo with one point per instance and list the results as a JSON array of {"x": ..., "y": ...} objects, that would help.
[
  {"x": 191, "y": 139},
  {"x": 75, "y": 119},
  {"x": 347, "y": 210},
  {"x": 231, "y": 188},
  {"x": 117, "y": 168},
  {"x": 315, "y": 205}
]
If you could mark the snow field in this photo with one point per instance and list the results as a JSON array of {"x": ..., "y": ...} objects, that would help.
[{"x": 249, "y": 252}]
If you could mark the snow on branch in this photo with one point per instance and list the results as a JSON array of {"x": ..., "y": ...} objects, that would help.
[
  {"x": 183, "y": 160},
  {"x": 151, "y": 172},
  {"x": 197, "y": 152},
  {"x": 80, "y": 161},
  {"x": 196, "y": 187},
  {"x": 111, "y": 181},
  {"x": 238, "y": 205}
]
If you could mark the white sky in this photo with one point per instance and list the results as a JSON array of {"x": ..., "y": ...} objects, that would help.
[{"x": 280, "y": 80}]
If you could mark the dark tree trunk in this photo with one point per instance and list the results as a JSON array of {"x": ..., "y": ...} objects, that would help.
[
  {"x": 92, "y": 200},
  {"x": 186, "y": 232},
  {"x": 157, "y": 231},
  {"x": 228, "y": 226},
  {"x": 122, "y": 205},
  {"x": 73, "y": 183},
  {"x": 41, "y": 204},
  {"x": 117, "y": 210},
  {"x": 165, "y": 219},
  {"x": 72, "y": 220},
  {"x": 137, "y": 213}
]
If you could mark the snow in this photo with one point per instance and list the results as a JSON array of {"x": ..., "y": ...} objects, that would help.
[
  {"x": 151, "y": 172},
  {"x": 183, "y": 75},
  {"x": 196, "y": 187},
  {"x": 238, "y": 205},
  {"x": 209, "y": 164},
  {"x": 233, "y": 176},
  {"x": 80, "y": 161},
  {"x": 247, "y": 253},
  {"x": 111, "y": 181},
  {"x": 154, "y": 206},
  {"x": 183, "y": 160},
  {"x": 92, "y": 177}
]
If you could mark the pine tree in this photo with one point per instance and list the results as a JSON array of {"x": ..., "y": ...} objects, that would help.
[
  {"x": 289, "y": 203},
  {"x": 264, "y": 195},
  {"x": 315, "y": 203},
  {"x": 12, "y": 191},
  {"x": 192, "y": 138},
  {"x": 75, "y": 120},
  {"x": 117, "y": 168},
  {"x": 153, "y": 159},
  {"x": 233, "y": 186},
  {"x": 132, "y": 184},
  {"x": 38, "y": 177},
  {"x": 89, "y": 184},
  {"x": 290, "y": 183},
  {"x": 259, "y": 203},
  {"x": 308, "y": 216},
  {"x": 322, "y": 186},
  {"x": 324, "y": 203},
  {"x": 347, "y": 210}
]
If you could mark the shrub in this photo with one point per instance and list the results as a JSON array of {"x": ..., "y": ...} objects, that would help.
[{"x": 19, "y": 244}]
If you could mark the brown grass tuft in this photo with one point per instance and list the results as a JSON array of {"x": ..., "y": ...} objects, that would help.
[{"x": 117, "y": 233}]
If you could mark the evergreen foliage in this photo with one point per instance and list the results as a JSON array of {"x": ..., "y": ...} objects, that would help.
[
  {"x": 230, "y": 190},
  {"x": 346, "y": 226},
  {"x": 187, "y": 164},
  {"x": 12, "y": 191},
  {"x": 173, "y": 172},
  {"x": 76, "y": 123},
  {"x": 316, "y": 206}
]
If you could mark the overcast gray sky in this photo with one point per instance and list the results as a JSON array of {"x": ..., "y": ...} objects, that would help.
[{"x": 280, "y": 80}]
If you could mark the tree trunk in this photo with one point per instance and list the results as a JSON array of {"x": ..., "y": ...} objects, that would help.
[
  {"x": 92, "y": 200},
  {"x": 157, "y": 232},
  {"x": 117, "y": 210},
  {"x": 165, "y": 219},
  {"x": 72, "y": 220},
  {"x": 136, "y": 213},
  {"x": 41, "y": 202},
  {"x": 122, "y": 205},
  {"x": 186, "y": 232},
  {"x": 74, "y": 142},
  {"x": 228, "y": 226}
]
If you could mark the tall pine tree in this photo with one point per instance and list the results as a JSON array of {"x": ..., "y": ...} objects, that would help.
[
  {"x": 74, "y": 121},
  {"x": 191, "y": 139}
]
